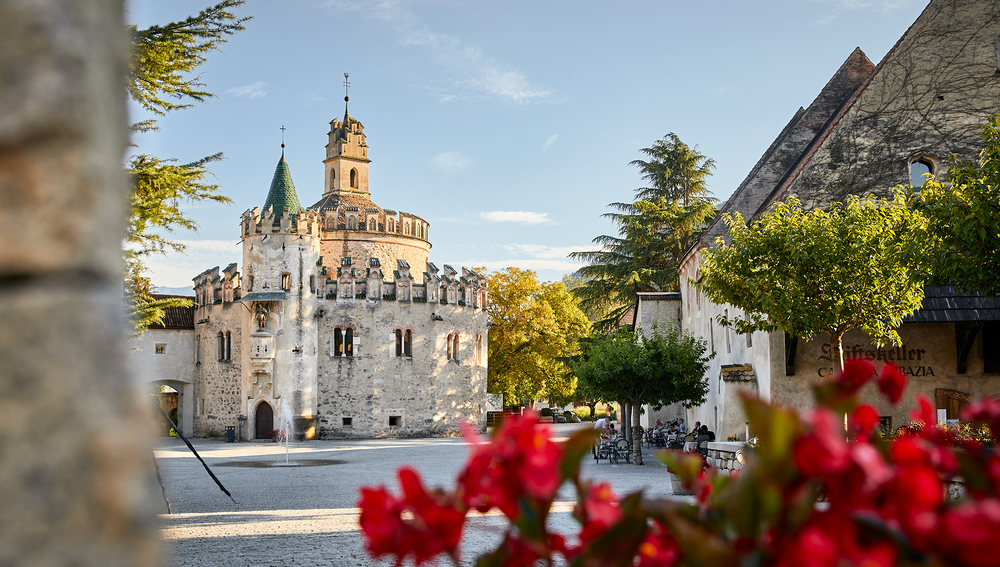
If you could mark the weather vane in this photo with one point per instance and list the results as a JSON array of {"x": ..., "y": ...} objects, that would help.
[{"x": 347, "y": 88}]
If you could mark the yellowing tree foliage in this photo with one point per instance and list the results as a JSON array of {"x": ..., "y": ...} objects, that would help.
[{"x": 532, "y": 324}]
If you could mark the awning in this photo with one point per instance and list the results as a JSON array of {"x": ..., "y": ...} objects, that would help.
[{"x": 262, "y": 296}]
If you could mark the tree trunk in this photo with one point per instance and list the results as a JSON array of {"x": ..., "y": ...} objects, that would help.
[
  {"x": 637, "y": 436},
  {"x": 836, "y": 353},
  {"x": 627, "y": 418}
]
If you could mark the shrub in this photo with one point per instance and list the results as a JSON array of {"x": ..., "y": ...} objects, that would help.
[{"x": 546, "y": 412}]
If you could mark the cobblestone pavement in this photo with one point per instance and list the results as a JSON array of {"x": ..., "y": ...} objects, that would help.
[{"x": 307, "y": 515}]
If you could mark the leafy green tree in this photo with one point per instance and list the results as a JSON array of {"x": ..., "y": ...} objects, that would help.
[
  {"x": 161, "y": 78},
  {"x": 963, "y": 219},
  {"x": 665, "y": 368},
  {"x": 855, "y": 266},
  {"x": 654, "y": 232},
  {"x": 534, "y": 326}
]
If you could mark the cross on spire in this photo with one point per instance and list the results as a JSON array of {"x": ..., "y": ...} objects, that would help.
[
  {"x": 347, "y": 88},
  {"x": 282, "y": 139}
]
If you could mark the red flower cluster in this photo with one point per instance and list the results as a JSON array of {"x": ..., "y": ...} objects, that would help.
[
  {"x": 886, "y": 502},
  {"x": 419, "y": 524},
  {"x": 521, "y": 461}
]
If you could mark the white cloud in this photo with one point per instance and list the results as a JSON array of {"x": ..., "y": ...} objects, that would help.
[
  {"x": 451, "y": 162},
  {"x": 523, "y": 217},
  {"x": 567, "y": 266},
  {"x": 507, "y": 84},
  {"x": 543, "y": 252},
  {"x": 548, "y": 143},
  {"x": 475, "y": 73},
  {"x": 253, "y": 90}
]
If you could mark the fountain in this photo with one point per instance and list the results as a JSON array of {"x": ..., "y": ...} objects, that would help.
[
  {"x": 286, "y": 424},
  {"x": 286, "y": 427}
]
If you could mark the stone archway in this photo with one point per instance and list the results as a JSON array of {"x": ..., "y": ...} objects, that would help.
[{"x": 263, "y": 421}]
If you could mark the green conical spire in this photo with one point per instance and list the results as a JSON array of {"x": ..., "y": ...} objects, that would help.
[{"x": 282, "y": 194}]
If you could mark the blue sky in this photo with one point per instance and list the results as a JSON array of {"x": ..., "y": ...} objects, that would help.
[{"x": 509, "y": 126}]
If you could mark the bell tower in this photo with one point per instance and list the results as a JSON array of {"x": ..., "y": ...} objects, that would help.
[{"x": 346, "y": 163}]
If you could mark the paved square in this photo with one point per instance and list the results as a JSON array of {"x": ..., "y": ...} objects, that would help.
[{"x": 307, "y": 515}]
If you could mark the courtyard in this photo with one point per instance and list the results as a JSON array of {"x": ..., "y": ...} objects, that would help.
[{"x": 307, "y": 515}]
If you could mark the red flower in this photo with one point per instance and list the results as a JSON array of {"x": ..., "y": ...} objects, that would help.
[
  {"x": 521, "y": 460},
  {"x": 926, "y": 412},
  {"x": 972, "y": 529},
  {"x": 811, "y": 548},
  {"x": 658, "y": 548},
  {"x": 598, "y": 512},
  {"x": 864, "y": 420},
  {"x": 824, "y": 451},
  {"x": 856, "y": 373},
  {"x": 430, "y": 528},
  {"x": 892, "y": 383}
]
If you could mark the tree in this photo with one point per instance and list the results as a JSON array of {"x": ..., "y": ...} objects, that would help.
[
  {"x": 654, "y": 232},
  {"x": 855, "y": 266},
  {"x": 659, "y": 370},
  {"x": 160, "y": 80},
  {"x": 963, "y": 219},
  {"x": 533, "y": 326}
]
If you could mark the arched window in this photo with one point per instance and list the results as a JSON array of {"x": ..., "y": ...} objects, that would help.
[
  {"x": 392, "y": 225},
  {"x": 338, "y": 342},
  {"x": 229, "y": 345},
  {"x": 447, "y": 343},
  {"x": 286, "y": 282},
  {"x": 354, "y": 179},
  {"x": 918, "y": 169},
  {"x": 349, "y": 342},
  {"x": 479, "y": 348},
  {"x": 406, "y": 228},
  {"x": 333, "y": 179},
  {"x": 408, "y": 343},
  {"x": 454, "y": 349},
  {"x": 372, "y": 225},
  {"x": 352, "y": 223},
  {"x": 399, "y": 342}
]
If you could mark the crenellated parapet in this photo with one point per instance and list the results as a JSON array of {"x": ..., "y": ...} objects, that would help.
[
  {"x": 305, "y": 223},
  {"x": 355, "y": 282}
]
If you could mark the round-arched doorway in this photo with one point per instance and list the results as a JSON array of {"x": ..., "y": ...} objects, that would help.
[{"x": 263, "y": 421}]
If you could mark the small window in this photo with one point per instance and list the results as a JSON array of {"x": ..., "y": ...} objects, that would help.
[
  {"x": 250, "y": 283},
  {"x": 349, "y": 342},
  {"x": 354, "y": 178},
  {"x": 455, "y": 349},
  {"x": 220, "y": 346},
  {"x": 338, "y": 342},
  {"x": 919, "y": 168},
  {"x": 711, "y": 335},
  {"x": 286, "y": 282},
  {"x": 749, "y": 340},
  {"x": 347, "y": 421},
  {"x": 392, "y": 225},
  {"x": 729, "y": 347},
  {"x": 991, "y": 347},
  {"x": 229, "y": 345},
  {"x": 395, "y": 421},
  {"x": 161, "y": 348},
  {"x": 372, "y": 225},
  {"x": 408, "y": 343},
  {"x": 399, "y": 342},
  {"x": 333, "y": 179},
  {"x": 352, "y": 223}
]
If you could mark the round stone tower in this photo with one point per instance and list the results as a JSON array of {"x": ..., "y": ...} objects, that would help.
[
  {"x": 281, "y": 255},
  {"x": 353, "y": 225}
]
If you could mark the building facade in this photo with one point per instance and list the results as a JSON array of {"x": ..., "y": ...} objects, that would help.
[
  {"x": 338, "y": 319},
  {"x": 871, "y": 128}
]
